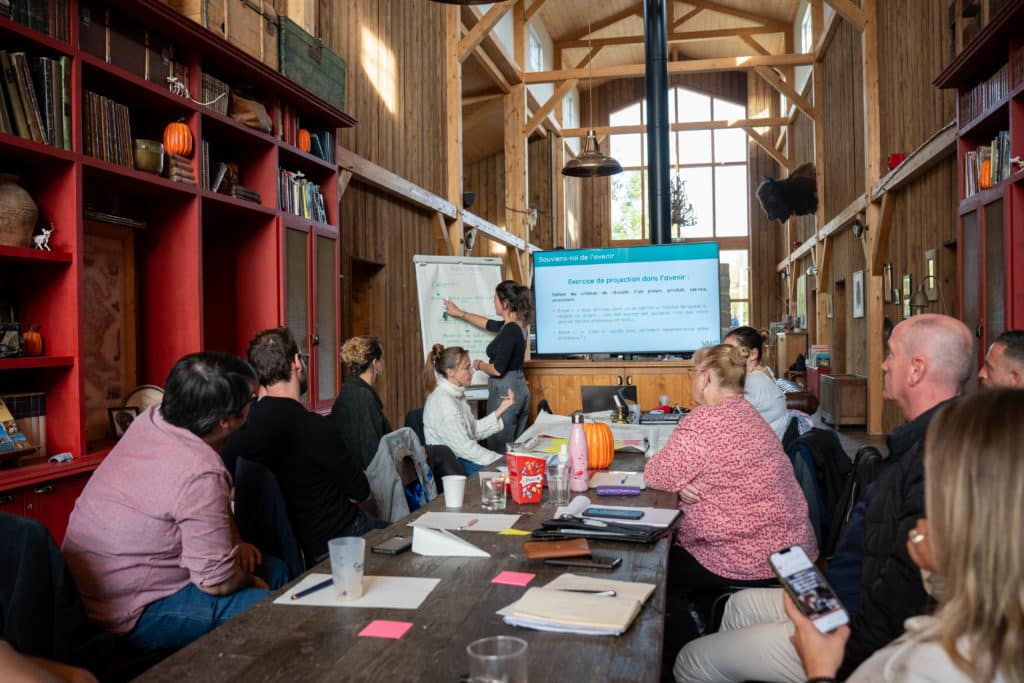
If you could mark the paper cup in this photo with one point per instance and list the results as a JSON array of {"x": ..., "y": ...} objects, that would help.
[
  {"x": 347, "y": 558},
  {"x": 454, "y": 490}
]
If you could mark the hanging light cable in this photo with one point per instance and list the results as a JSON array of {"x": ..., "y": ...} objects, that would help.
[{"x": 591, "y": 163}]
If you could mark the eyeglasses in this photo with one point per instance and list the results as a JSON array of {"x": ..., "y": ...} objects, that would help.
[{"x": 304, "y": 357}]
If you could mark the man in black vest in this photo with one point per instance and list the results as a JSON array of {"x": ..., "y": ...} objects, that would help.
[{"x": 928, "y": 362}]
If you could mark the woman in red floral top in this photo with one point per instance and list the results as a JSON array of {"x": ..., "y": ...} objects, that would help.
[{"x": 739, "y": 496}]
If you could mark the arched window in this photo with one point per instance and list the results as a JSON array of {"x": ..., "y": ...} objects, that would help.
[{"x": 713, "y": 167}]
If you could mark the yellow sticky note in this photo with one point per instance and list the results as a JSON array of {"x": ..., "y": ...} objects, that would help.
[{"x": 513, "y": 532}]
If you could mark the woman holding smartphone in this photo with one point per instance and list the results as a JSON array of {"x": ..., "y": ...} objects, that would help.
[
  {"x": 506, "y": 355},
  {"x": 974, "y": 539}
]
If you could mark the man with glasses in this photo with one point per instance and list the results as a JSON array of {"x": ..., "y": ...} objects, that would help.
[
  {"x": 151, "y": 543},
  {"x": 321, "y": 482}
]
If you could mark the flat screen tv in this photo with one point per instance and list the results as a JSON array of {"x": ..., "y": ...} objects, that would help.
[{"x": 645, "y": 300}]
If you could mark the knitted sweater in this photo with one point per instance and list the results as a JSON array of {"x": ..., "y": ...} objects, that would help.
[{"x": 448, "y": 421}]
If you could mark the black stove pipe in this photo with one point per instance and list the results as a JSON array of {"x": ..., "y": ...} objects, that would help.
[{"x": 659, "y": 181}]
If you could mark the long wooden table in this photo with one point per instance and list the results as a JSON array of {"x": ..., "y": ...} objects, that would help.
[{"x": 296, "y": 643}]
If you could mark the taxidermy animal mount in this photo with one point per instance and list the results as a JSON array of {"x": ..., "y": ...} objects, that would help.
[{"x": 797, "y": 195}]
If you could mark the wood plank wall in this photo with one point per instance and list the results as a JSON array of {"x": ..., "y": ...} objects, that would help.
[
  {"x": 396, "y": 92},
  {"x": 924, "y": 215},
  {"x": 595, "y": 194},
  {"x": 767, "y": 238}
]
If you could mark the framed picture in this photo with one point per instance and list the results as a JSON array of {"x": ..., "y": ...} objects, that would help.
[
  {"x": 858, "y": 294},
  {"x": 887, "y": 290},
  {"x": 828, "y": 305},
  {"x": 907, "y": 291},
  {"x": 801, "y": 302},
  {"x": 121, "y": 418}
]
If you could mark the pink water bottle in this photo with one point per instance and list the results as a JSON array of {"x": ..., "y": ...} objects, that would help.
[{"x": 578, "y": 455}]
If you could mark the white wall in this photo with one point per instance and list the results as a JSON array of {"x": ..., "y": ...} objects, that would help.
[{"x": 803, "y": 73}]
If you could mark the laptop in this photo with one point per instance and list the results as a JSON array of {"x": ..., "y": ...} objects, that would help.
[
  {"x": 600, "y": 397},
  {"x": 657, "y": 418}
]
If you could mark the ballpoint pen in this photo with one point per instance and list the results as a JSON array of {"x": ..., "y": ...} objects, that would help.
[{"x": 313, "y": 589}]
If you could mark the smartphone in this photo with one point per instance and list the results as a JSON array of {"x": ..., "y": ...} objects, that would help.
[
  {"x": 808, "y": 588},
  {"x": 613, "y": 513},
  {"x": 593, "y": 562},
  {"x": 393, "y": 545}
]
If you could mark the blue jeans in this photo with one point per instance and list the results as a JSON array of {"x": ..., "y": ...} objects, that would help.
[
  {"x": 175, "y": 621},
  {"x": 470, "y": 467}
]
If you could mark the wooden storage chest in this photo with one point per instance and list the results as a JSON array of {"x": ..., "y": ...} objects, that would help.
[
  {"x": 311, "y": 64},
  {"x": 844, "y": 399}
]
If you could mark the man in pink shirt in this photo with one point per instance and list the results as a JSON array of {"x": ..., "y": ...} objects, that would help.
[{"x": 151, "y": 542}]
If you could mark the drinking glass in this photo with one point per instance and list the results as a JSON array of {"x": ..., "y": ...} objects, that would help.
[
  {"x": 558, "y": 485},
  {"x": 498, "y": 659},
  {"x": 493, "y": 490}
]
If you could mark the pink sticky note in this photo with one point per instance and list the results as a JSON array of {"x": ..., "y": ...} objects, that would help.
[
  {"x": 513, "y": 578},
  {"x": 381, "y": 628}
]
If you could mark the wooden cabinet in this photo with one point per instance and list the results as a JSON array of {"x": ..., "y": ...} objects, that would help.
[
  {"x": 988, "y": 76},
  {"x": 559, "y": 382},
  {"x": 844, "y": 400},
  {"x": 211, "y": 268},
  {"x": 788, "y": 346}
]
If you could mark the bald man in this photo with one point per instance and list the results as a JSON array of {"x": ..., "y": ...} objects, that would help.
[
  {"x": 1004, "y": 362},
  {"x": 928, "y": 361}
]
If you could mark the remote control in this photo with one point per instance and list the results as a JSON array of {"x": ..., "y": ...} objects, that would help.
[{"x": 617, "y": 490}]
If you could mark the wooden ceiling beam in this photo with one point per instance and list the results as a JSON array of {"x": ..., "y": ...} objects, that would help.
[
  {"x": 470, "y": 100},
  {"x": 786, "y": 89},
  {"x": 492, "y": 70},
  {"x": 371, "y": 174},
  {"x": 635, "y": 10},
  {"x": 849, "y": 11},
  {"x": 752, "y": 42},
  {"x": 767, "y": 146},
  {"x": 675, "y": 127},
  {"x": 548, "y": 107},
  {"x": 589, "y": 57},
  {"x": 686, "y": 17},
  {"x": 689, "y": 66},
  {"x": 741, "y": 14},
  {"x": 533, "y": 9},
  {"x": 683, "y": 37},
  {"x": 480, "y": 30}
]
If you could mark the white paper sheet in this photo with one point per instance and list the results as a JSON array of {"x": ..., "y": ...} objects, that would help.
[
  {"x": 389, "y": 592},
  {"x": 441, "y": 543},
  {"x": 461, "y": 521},
  {"x": 660, "y": 517},
  {"x": 615, "y": 478}
]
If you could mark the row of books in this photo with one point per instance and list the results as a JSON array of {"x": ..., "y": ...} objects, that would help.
[
  {"x": 35, "y": 100},
  {"x": 988, "y": 165},
  {"x": 46, "y": 16},
  {"x": 300, "y": 196},
  {"x": 984, "y": 95},
  {"x": 1017, "y": 66},
  {"x": 106, "y": 129},
  {"x": 287, "y": 125},
  {"x": 23, "y": 423}
]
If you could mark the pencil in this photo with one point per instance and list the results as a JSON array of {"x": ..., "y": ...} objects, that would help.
[
  {"x": 313, "y": 589},
  {"x": 469, "y": 523}
]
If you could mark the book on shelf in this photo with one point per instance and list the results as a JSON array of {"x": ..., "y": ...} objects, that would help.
[
  {"x": 12, "y": 438},
  {"x": 988, "y": 165},
  {"x": 179, "y": 169},
  {"x": 300, "y": 196},
  {"x": 46, "y": 16},
  {"x": 972, "y": 103},
  {"x": 28, "y": 411},
  {"x": 106, "y": 130}
]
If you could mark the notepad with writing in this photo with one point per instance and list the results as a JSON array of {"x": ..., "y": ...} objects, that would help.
[{"x": 555, "y": 607}]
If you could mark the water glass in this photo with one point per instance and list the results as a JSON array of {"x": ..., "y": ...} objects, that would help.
[
  {"x": 558, "y": 485},
  {"x": 498, "y": 659},
  {"x": 493, "y": 490},
  {"x": 348, "y": 555}
]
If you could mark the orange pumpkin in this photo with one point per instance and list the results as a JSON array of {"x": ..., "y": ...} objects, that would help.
[
  {"x": 304, "y": 140},
  {"x": 985, "y": 175},
  {"x": 600, "y": 445},
  {"x": 178, "y": 139},
  {"x": 32, "y": 342}
]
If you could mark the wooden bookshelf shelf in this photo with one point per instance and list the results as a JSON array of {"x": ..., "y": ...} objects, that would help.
[
  {"x": 295, "y": 159},
  {"x": 128, "y": 89},
  {"x": 21, "y": 149},
  {"x": 31, "y": 362},
  {"x": 22, "y": 255},
  {"x": 218, "y": 126},
  {"x": 235, "y": 206},
  {"x": 132, "y": 179},
  {"x": 16, "y": 36},
  {"x": 301, "y": 223}
]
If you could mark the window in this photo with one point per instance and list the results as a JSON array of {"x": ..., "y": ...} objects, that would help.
[
  {"x": 534, "y": 51},
  {"x": 713, "y": 167},
  {"x": 805, "y": 31},
  {"x": 569, "y": 119}
]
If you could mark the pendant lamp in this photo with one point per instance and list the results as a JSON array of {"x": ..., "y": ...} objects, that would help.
[{"x": 591, "y": 163}]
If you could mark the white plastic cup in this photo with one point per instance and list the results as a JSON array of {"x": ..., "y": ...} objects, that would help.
[
  {"x": 498, "y": 658},
  {"x": 348, "y": 554},
  {"x": 663, "y": 400},
  {"x": 454, "y": 490}
]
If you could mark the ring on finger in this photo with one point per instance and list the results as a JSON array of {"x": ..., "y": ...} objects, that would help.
[{"x": 916, "y": 537}]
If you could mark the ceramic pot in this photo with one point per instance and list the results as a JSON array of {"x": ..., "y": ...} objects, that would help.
[
  {"x": 18, "y": 213},
  {"x": 149, "y": 156}
]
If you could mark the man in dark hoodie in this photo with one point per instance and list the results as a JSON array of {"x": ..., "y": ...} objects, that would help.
[{"x": 928, "y": 361}]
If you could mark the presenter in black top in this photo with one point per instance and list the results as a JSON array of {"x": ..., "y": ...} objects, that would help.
[{"x": 505, "y": 356}]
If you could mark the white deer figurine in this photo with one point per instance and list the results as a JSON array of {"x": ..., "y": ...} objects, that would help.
[{"x": 42, "y": 240}]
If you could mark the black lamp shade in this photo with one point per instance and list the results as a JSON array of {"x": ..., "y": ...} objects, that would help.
[{"x": 591, "y": 163}]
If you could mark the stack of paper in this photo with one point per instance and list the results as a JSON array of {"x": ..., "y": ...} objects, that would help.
[
  {"x": 611, "y": 478},
  {"x": 562, "y": 607}
]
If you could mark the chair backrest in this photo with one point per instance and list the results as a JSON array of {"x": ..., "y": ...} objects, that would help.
[
  {"x": 600, "y": 397},
  {"x": 262, "y": 516},
  {"x": 867, "y": 462},
  {"x": 833, "y": 469},
  {"x": 414, "y": 420}
]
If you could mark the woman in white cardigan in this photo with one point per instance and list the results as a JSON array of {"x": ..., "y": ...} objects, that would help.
[{"x": 447, "y": 418}]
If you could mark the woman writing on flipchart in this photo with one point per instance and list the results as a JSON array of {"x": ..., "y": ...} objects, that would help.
[{"x": 505, "y": 356}]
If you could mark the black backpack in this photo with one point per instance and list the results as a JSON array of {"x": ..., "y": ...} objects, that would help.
[
  {"x": 833, "y": 469},
  {"x": 866, "y": 464}
]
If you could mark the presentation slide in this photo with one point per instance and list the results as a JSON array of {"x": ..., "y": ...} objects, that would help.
[{"x": 627, "y": 300}]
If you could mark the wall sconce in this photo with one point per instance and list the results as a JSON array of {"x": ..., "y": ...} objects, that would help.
[
  {"x": 812, "y": 271},
  {"x": 919, "y": 300},
  {"x": 784, "y": 274},
  {"x": 859, "y": 228}
]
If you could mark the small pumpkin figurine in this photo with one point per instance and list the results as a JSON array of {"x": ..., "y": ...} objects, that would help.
[
  {"x": 32, "y": 342},
  {"x": 304, "y": 140},
  {"x": 178, "y": 139},
  {"x": 600, "y": 445}
]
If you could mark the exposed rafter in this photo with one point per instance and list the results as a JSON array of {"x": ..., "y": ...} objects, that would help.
[
  {"x": 548, "y": 107},
  {"x": 470, "y": 100},
  {"x": 685, "y": 18},
  {"x": 749, "y": 16},
  {"x": 752, "y": 42},
  {"x": 533, "y": 9},
  {"x": 480, "y": 30},
  {"x": 849, "y": 11},
  {"x": 772, "y": 79},
  {"x": 675, "y": 127},
  {"x": 681, "y": 37},
  {"x": 690, "y": 66},
  {"x": 767, "y": 146},
  {"x": 636, "y": 10}
]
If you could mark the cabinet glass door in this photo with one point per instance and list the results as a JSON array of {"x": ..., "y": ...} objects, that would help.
[
  {"x": 296, "y": 275},
  {"x": 325, "y": 352},
  {"x": 995, "y": 274}
]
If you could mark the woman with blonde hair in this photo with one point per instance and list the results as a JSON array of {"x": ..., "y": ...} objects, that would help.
[
  {"x": 739, "y": 496},
  {"x": 447, "y": 417},
  {"x": 974, "y": 539},
  {"x": 358, "y": 412}
]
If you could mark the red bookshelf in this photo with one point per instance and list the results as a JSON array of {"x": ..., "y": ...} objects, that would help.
[
  {"x": 208, "y": 269},
  {"x": 988, "y": 76}
]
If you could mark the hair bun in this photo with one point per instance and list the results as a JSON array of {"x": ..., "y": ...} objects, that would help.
[{"x": 739, "y": 355}]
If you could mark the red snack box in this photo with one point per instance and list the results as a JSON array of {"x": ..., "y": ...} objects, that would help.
[{"x": 526, "y": 476}]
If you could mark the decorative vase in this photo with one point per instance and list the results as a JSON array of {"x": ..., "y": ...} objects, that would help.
[
  {"x": 149, "y": 156},
  {"x": 18, "y": 213}
]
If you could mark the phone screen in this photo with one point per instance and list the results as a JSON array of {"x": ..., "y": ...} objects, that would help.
[
  {"x": 613, "y": 513},
  {"x": 808, "y": 588}
]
